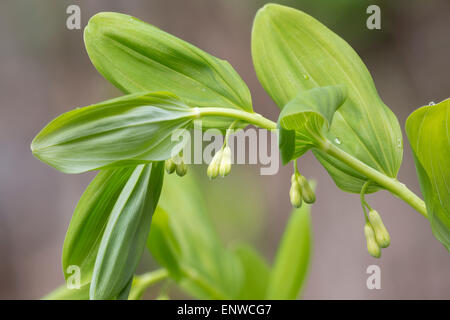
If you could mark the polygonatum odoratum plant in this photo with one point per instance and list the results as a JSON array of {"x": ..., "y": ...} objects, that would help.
[{"x": 328, "y": 105}]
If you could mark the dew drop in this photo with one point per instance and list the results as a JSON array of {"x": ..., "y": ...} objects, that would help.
[
  {"x": 399, "y": 143},
  {"x": 305, "y": 76},
  {"x": 337, "y": 141},
  {"x": 431, "y": 103}
]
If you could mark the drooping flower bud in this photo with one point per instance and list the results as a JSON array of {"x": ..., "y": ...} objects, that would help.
[
  {"x": 381, "y": 233},
  {"x": 214, "y": 165},
  {"x": 295, "y": 193},
  {"x": 225, "y": 162},
  {"x": 170, "y": 166},
  {"x": 372, "y": 245},
  {"x": 181, "y": 168},
  {"x": 307, "y": 192}
]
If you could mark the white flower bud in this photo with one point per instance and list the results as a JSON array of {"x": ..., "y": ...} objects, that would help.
[
  {"x": 307, "y": 192},
  {"x": 381, "y": 234},
  {"x": 214, "y": 165},
  {"x": 372, "y": 245},
  {"x": 225, "y": 163}
]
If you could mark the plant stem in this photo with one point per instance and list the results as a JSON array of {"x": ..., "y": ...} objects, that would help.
[
  {"x": 143, "y": 281},
  {"x": 393, "y": 185},
  {"x": 249, "y": 117}
]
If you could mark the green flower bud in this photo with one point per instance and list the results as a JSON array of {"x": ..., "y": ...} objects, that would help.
[
  {"x": 214, "y": 165},
  {"x": 225, "y": 162},
  {"x": 170, "y": 166},
  {"x": 381, "y": 233},
  {"x": 372, "y": 245},
  {"x": 307, "y": 192},
  {"x": 295, "y": 194},
  {"x": 181, "y": 168}
]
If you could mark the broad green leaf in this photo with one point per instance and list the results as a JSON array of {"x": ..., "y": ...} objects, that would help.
[
  {"x": 256, "y": 273},
  {"x": 292, "y": 258},
  {"x": 293, "y": 52},
  {"x": 163, "y": 243},
  {"x": 308, "y": 116},
  {"x": 133, "y": 129},
  {"x": 183, "y": 240},
  {"x": 428, "y": 130},
  {"x": 126, "y": 232},
  {"x": 64, "y": 293},
  {"x": 136, "y": 56},
  {"x": 89, "y": 221}
]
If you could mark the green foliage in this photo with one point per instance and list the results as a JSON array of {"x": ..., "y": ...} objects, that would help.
[
  {"x": 256, "y": 272},
  {"x": 292, "y": 52},
  {"x": 89, "y": 221},
  {"x": 307, "y": 117},
  {"x": 293, "y": 256},
  {"x": 128, "y": 130},
  {"x": 328, "y": 103},
  {"x": 64, "y": 293},
  {"x": 184, "y": 241},
  {"x": 135, "y": 57},
  {"x": 126, "y": 232},
  {"x": 429, "y": 135}
]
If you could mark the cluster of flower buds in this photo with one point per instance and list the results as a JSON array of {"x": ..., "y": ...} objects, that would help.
[
  {"x": 177, "y": 164},
  {"x": 300, "y": 191},
  {"x": 376, "y": 234},
  {"x": 220, "y": 163}
]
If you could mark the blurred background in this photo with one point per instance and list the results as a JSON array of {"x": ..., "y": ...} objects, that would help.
[{"x": 45, "y": 71}]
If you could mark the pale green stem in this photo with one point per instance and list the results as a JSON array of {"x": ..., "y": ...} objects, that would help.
[
  {"x": 249, "y": 117},
  {"x": 392, "y": 185},
  {"x": 364, "y": 204},
  {"x": 142, "y": 282}
]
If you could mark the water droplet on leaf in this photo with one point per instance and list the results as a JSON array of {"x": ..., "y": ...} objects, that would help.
[
  {"x": 337, "y": 141},
  {"x": 431, "y": 103},
  {"x": 305, "y": 76}
]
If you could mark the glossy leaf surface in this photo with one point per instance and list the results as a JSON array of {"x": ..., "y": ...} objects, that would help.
[
  {"x": 126, "y": 232},
  {"x": 136, "y": 56},
  {"x": 308, "y": 116},
  {"x": 133, "y": 129},
  {"x": 89, "y": 221},
  {"x": 292, "y": 52}
]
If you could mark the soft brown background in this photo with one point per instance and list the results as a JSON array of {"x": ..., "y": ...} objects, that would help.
[{"x": 45, "y": 71}]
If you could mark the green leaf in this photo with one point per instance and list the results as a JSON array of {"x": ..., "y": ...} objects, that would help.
[
  {"x": 429, "y": 135},
  {"x": 183, "y": 240},
  {"x": 126, "y": 232},
  {"x": 309, "y": 116},
  {"x": 64, "y": 293},
  {"x": 136, "y": 56},
  {"x": 89, "y": 221},
  {"x": 256, "y": 273},
  {"x": 292, "y": 258},
  {"x": 293, "y": 52},
  {"x": 128, "y": 130},
  {"x": 163, "y": 243}
]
